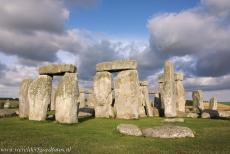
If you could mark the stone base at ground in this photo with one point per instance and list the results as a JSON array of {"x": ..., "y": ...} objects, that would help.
[
  {"x": 192, "y": 115},
  {"x": 168, "y": 132},
  {"x": 129, "y": 129}
]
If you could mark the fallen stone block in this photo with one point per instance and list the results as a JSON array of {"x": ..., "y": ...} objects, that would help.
[
  {"x": 129, "y": 129},
  {"x": 168, "y": 132}
]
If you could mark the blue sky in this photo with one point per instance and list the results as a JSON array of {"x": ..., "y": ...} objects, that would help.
[
  {"x": 124, "y": 18},
  {"x": 194, "y": 34}
]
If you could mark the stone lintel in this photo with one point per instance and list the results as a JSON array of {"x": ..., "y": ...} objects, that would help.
[
  {"x": 118, "y": 65},
  {"x": 57, "y": 69}
]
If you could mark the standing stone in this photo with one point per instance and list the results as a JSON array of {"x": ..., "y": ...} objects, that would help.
[
  {"x": 66, "y": 99},
  {"x": 52, "y": 105},
  {"x": 39, "y": 97},
  {"x": 180, "y": 92},
  {"x": 168, "y": 95},
  {"x": 81, "y": 99},
  {"x": 197, "y": 97},
  {"x": 160, "y": 91},
  {"x": 127, "y": 94},
  {"x": 213, "y": 103},
  {"x": 145, "y": 98},
  {"x": 102, "y": 90},
  {"x": 23, "y": 98}
]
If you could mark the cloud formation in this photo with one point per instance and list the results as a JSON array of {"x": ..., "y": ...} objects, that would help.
[{"x": 202, "y": 32}]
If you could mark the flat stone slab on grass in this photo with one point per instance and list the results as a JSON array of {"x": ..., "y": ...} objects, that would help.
[
  {"x": 129, "y": 129},
  {"x": 168, "y": 132},
  {"x": 118, "y": 65},
  {"x": 174, "y": 120},
  {"x": 57, "y": 69},
  {"x": 7, "y": 113}
]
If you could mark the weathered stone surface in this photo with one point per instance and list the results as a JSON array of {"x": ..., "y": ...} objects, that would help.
[
  {"x": 91, "y": 100},
  {"x": 158, "y": 94},
  {"x": 144, "y": 83},
  {"x": 102, "y": 90},
  {"x": 213, "y": 103},
  {"x": 174, "y": 120},
  {"x": 57, "y": 69},
  {"x": 205, "y": 115},
  {"x": 145, "y": 98},
  {"x": 86, "y": 112},
  {"x": 168, "y": 94},
  {"x": 53, "y": 103},
  {"x": 7, "y": 113},
  {"x": 129, "y": 129},
  {"x": 118, "y": 65},
  {"x": 224, "y": 114},
  {"x": 127, "y": 95},
  {"x": 23, "y": 98},
  {"x": 197, "y": 97},
  {"x": 168, "y": 132},
  {"x": 179, "y": 76},
  {"x": 66, "y": 99},
  {"x": 82, "y": 99},
  {"x": 192, "y": 115},
  {"x": 39, "y": 96},
  {"x": 179, "y": 92},
  {"x": 156, "y": 112},
  {"x": 7, "y": 104}
]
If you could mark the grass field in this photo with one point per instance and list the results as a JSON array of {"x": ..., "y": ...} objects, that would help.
[{"x": 98, "y": 136}]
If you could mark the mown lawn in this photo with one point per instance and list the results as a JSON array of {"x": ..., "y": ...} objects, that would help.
[{"x": 98, "y": 136}]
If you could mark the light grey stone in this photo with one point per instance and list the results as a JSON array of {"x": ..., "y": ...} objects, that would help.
[
  {"x": 102, "y": 91},
  {"x": 168, "y": 132},
  {"x": 129, "y": 129},
  {"x": 39, "y": 96},
  {"x": 7, "y": 104},
  {"x": 23, "y": 98},
  {"x": 224, "y": 114},
  {"x": 57, "y": 69},
  {"x": 118, "y": 65},
  {"x": 145, "y": 98},
  {"x": 66, "y": 99},
  {"x": 197, "y": 97},
  {"x": 174, "y": 120},
  {"x": 179, "y": 92},
  {"x": 192, "y": 115},
  {"x": 53, "y": 103},
  {"x": 127, "y": 95},
  {"x": 213, "y": 103},
  {"x": 168, "y": 94},
  {"x": 82, "y": 99},
  {"x": 205, "y": 115}
]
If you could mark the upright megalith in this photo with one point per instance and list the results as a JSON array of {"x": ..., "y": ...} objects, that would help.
[
  {"x": 145, "y": 98},
  {"x": 39, "y": 96},
  {"x": 102, "y": 90},
  {"x": 82, "y": 98},
  {"x": 160, "y": 90},
  {"x": 23, "y": 98},
  {"x": 168, "y": 95},
  {"x": 53, "y": 103},
  {"x": 66, "y": 99},
  {"x": 213, "y": 103},
  {"x": 57, "y": 69},
  {"x": 197, "y": 97},
  {"x": 179, "y": 92},
  {"x": 127, "y": 94}
]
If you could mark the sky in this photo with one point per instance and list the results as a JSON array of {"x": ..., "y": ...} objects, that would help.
[{"x": 194, "y": 34}]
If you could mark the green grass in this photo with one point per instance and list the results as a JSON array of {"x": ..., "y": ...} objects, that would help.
[{"x": 98, "y": 136}]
